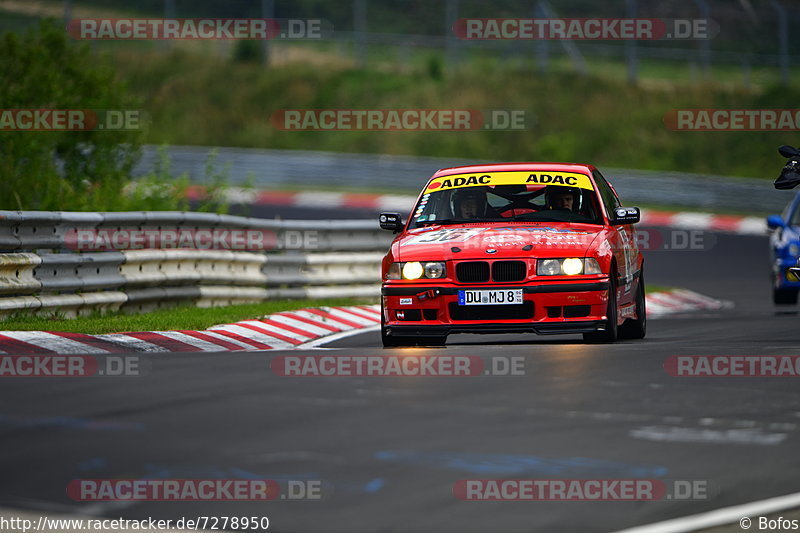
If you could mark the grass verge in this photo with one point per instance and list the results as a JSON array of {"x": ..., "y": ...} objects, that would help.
[
  {"x": 177, "y": 318},
  {"x": 602, "y": 120},
  {"x": 657, "y": 288}
]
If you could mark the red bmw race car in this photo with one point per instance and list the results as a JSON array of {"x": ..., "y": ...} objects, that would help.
[{"x": 510, "y": 248}]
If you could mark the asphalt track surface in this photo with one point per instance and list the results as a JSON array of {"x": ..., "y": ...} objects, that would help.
[{"x": 389, "y": 450}]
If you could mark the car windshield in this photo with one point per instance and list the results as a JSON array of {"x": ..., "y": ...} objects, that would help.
[{"x": 505, "y": 203}]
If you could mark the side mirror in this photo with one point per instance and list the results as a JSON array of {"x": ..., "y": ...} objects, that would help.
[
  {"x": 775, "y": 222},
  {"x": 391, "y": 221},
  {"x": 788, "y": 151},
  {"x": 626, "y": 215}
]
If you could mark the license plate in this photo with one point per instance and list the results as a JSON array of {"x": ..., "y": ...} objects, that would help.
[{"x": 490, "y": 297}]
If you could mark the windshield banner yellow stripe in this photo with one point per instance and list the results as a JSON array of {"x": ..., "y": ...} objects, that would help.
[{"x": 564, "y": 179}]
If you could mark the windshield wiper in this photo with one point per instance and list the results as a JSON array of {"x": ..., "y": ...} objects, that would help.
[
  {"x": 538, "y": 215},
  {"x": 447, "y": 221}
]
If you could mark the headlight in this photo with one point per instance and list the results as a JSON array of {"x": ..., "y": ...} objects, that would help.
[
  {"x": 416, "y": 270},
  {"x": 412, "y": 270},
  {"x": 548, "y": 267},
  {"x": 572, "y": 266},
  {"x": 794, "y": 250},
  {"x": 434, "y": 270},
  {"x": 569, "y": 266}
]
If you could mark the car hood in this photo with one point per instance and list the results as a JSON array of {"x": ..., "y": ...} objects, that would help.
[{"x": 487, "y": 242}]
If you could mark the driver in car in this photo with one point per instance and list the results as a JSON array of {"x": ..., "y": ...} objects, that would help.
[{"x": 561, "y": 198}]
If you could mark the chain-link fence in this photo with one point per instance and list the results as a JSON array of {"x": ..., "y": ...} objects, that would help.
[{"x": 754, "y": 41}]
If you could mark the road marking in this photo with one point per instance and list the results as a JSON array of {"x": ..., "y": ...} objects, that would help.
[
  {"x": 705, "y": 435},
  {"x": 719, "y": 517}
]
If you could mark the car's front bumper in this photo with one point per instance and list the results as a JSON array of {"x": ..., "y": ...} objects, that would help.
[{"x": 552, "y": 307}]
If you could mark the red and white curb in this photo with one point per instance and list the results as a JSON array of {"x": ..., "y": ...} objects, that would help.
[
  {"x": 303, "y": 328},
  {"x": 681, "y": 301},
  {"x": 281, "y": 331},
  {"x": 705, "y": 221},
  {"x": 404, "y": 203}
]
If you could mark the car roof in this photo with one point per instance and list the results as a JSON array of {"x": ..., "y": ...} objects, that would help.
[{"x": 509, "y": 167}]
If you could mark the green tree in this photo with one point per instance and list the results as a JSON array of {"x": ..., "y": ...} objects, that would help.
[{"x": 61, "y": 170}]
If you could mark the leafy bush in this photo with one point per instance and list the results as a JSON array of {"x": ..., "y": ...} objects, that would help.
[
  {"x": 60, "y": 170},
  {"x": 160, "y": 190}
]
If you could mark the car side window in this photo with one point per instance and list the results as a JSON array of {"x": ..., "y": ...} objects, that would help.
[{"x": 610, "y": 199}]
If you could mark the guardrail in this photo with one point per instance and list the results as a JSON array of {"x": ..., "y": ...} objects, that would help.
[
  {"x": 271, "y": 169},
  {"x": 44, "y": 268}
]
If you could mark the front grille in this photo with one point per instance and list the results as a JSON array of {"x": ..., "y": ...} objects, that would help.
[
  {"x": 508, "y": 270},
  {"x": 491, "y": 312},
  {"x": 472, "y": 271},
  {"x": 502, "y": 271}
]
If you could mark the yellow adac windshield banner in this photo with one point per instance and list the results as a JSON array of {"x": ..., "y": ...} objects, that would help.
[{"x": 564, "y": 179}]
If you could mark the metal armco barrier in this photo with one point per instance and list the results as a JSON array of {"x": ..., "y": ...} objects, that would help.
[
  {"x": 270, "y": 169},
  {"x": 50, "y": 263}
]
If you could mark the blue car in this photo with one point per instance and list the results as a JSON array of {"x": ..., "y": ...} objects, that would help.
[{"x": 784, "y": 252}]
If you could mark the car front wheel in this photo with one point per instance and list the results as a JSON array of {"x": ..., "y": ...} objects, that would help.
[
  {"x": 610, "y": 333},
  {"x": 637, "y": 328},
  {"x": 784, "y": 296}
]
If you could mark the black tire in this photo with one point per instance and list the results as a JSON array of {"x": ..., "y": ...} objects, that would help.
[
  {"x": 636, "y": 328},
  {"x": 610, "y": 333},
  {"x": 784, "y": 296}
]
